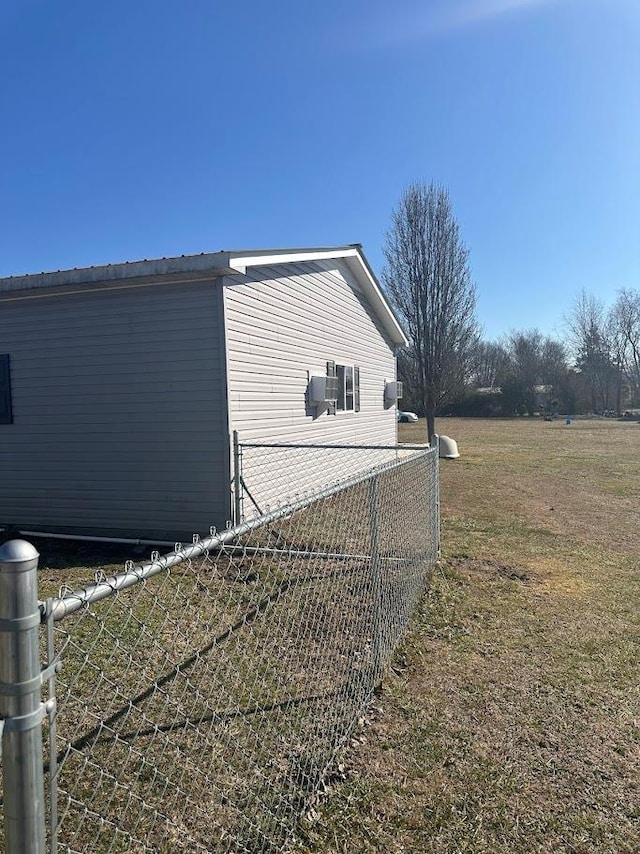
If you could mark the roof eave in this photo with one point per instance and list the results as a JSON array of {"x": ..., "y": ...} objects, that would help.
[
  {"x": 207, "y": 265},
  {"x": 128, "y": 273}
]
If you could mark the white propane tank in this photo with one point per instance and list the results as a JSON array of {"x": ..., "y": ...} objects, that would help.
[{"x": 448, "y": 448}]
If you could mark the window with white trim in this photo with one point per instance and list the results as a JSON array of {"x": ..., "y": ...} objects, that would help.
[{"x": 348, "y": 388}]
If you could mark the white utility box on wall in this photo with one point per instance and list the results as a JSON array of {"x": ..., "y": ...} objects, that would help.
[
  {"x": 323, "y": 390},
  {"x": 392, "y": 391}
]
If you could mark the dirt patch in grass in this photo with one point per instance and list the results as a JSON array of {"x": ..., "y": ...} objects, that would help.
[
  {"x": 489, "y": 568},
  {"x": 511, "y": 721}
]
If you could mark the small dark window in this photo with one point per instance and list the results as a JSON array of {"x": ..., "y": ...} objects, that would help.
[{"x": 6, "y": 416}]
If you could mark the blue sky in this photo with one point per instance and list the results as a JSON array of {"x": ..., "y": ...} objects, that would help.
[{"x": 143, "y": 129}]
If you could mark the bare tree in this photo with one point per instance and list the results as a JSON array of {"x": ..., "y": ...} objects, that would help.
[
  {"x": 590, "y": 338},
  {"x": 586, "y": 322},
  {"x": 624, "y": 323},
  {"x": 489, "y": 363},
  {"x": 409, "y": 374},
  {"x": 525, "y": 357},
  {"x": 428, "y": 279},
  {"x": 537, "y": 373}
]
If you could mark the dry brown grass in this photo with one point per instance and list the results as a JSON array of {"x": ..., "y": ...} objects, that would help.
[
  {"x": 511, "y": 722},
  {"x": 201, "y": 709}
]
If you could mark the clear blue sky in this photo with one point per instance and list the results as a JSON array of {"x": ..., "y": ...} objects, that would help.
[{"x": 142, "y": 128}]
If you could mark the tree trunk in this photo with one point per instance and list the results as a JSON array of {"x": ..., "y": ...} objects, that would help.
[{"x": 431, "y": 424}]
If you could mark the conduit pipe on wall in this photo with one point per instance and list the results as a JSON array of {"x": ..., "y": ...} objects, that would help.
[{"x": 115, "y": 540}]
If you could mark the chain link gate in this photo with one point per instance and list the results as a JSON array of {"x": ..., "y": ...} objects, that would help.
[{"x": 204, "y": 695}]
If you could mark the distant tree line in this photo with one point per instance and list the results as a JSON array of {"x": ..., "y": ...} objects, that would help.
[
  {"x": 449, "y": 368},
  {"x": 595, "y": 368}
]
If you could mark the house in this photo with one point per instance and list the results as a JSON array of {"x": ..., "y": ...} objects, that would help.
[{"x": 121, "y": 385}]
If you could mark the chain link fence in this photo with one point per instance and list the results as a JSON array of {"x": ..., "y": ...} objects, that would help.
[
  {"x": 265, "y": 472},
  {"x": 204, "y": 695}
]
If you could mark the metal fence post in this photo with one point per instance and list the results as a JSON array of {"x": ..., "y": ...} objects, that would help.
[
  {"x": 435, "y": 442},
  {"x": 437, "y": 512},
  {"x": 20, "y": 700},
  {"x": 237, "y": 480},
  {"x": 376, "y": 582}
]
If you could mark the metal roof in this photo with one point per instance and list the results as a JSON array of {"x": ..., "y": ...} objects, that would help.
[{"x": 189, "y": 268}]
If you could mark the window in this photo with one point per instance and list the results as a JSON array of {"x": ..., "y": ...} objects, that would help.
[
  {"x": 348, "y": 388},
  {"x": 6, "y": 416}
]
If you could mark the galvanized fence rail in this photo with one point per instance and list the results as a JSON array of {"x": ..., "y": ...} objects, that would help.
[{"x": 196, "y": 702}]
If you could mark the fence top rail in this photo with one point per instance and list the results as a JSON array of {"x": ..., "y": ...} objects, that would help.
[
  {"x": 59, "y": 607},
  {"x": 307, "y": 445}
]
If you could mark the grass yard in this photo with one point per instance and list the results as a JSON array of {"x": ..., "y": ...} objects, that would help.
[{"x": 511, "y": 721}]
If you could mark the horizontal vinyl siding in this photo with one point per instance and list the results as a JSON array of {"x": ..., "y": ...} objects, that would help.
[
  {"x": 120, "y": 423},
  {"x": 283, "y": 324}
]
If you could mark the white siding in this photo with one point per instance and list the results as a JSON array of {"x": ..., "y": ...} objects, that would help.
[
  {"x": 283, "y": 324},
  {"x": 119, "y": 408}
]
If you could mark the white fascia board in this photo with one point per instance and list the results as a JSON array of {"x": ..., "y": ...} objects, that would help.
[
  {"x": 240, "y": 261},
  {"x": 356, "y": 262}
]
